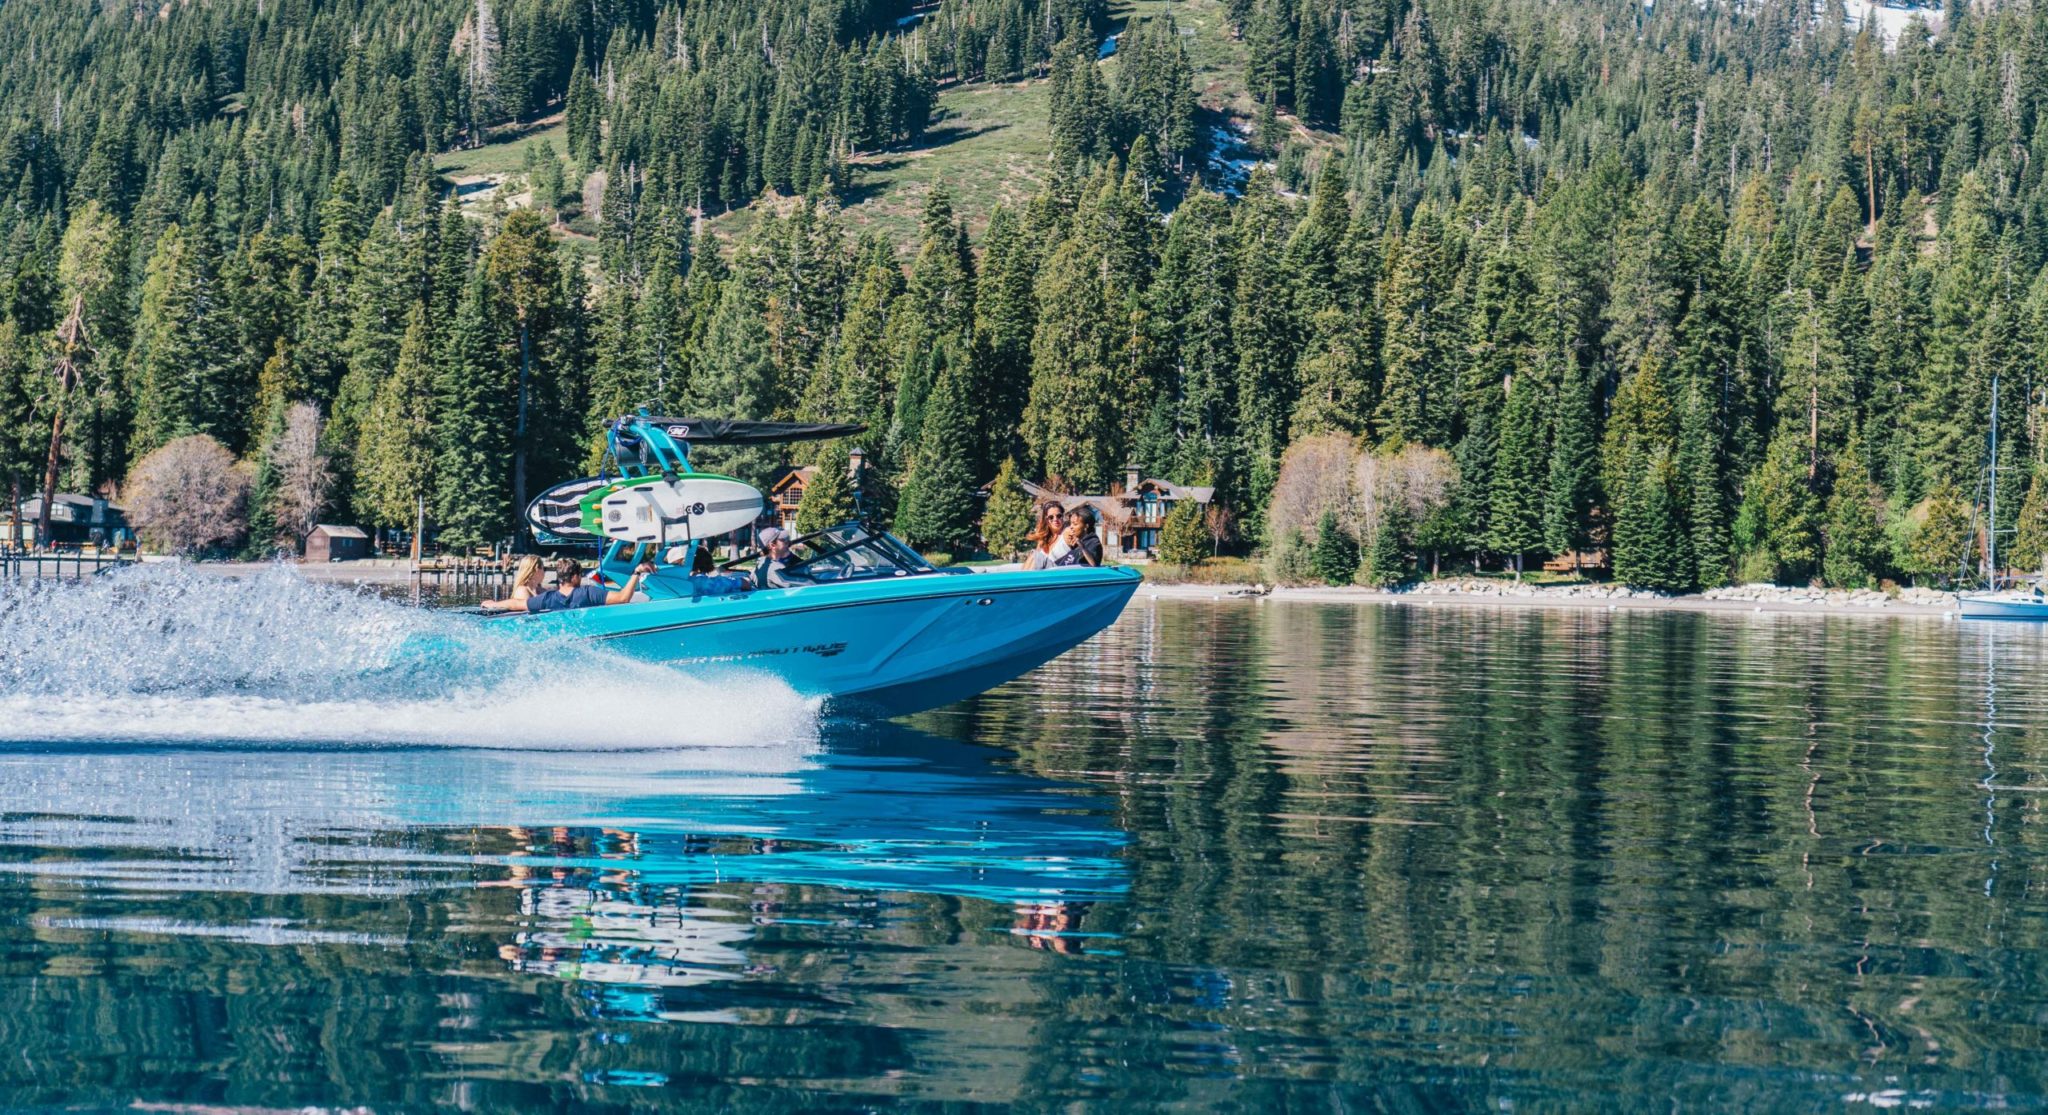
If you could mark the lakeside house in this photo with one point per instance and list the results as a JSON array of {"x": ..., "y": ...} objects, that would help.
[
  {"x": 75, "y": 520},
  {"x": 786, "y": 489},
  {"x": 1132, "y": 515},
  {"x": 786, "y": 493}
]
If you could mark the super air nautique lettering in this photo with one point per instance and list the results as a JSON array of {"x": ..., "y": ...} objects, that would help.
[{"x": 822, "y": 650}]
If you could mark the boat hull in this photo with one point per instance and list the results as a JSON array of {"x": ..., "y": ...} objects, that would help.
[
  {"x": 889, "y": 646},
  {"x": 2002, "y": 607}
]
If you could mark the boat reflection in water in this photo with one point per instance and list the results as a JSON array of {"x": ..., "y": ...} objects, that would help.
[
  {"x": 648, "y": 877},
  {"x": 670, "y": 895}
]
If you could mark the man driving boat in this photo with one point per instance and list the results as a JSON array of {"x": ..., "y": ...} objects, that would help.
[{"x": 774, "y": 570}]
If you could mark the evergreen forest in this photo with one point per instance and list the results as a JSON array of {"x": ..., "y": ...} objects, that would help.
[{"x": 1709, "y": 292}]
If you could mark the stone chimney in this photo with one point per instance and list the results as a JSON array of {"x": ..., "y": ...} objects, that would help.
[{"x": 1131, "y": 478}]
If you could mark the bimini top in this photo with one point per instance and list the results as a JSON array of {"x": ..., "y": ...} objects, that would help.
[{"x": 739, "y": 431}]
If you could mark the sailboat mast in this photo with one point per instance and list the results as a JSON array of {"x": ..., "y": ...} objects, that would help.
[{"x": 1991, "y": 528}]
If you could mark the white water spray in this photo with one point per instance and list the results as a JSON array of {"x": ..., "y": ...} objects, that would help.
[{"x": 167, "y": 653}]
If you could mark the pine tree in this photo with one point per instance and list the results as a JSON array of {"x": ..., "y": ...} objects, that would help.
[
  {"x": 329, "y": 308},
  {"x": 1854, "y": 535},
  {"x": 1191, "y": 295},
  {"x": 1335, "y": 388},
  {"x": 1264, "y": 339},
  {"x": 1006, "y": 521},
  {"x": 267, "y": 538},
  {"x": 1790, "y": 507},
  {"x": 378, "y": 306},
  {"x": 1386, "y": 563},
  {"x": 1703, "y": 500},
  {"x": 828, "y": 496},
  {"x": 2029, "y": 547},
  {"x": 183, "y": 384},
  {"x": 1515, "y": 507},
  {"x": 1004, "y": 312},
  {"x": 1418, "y": 392},
  {"x": 1943, "y": 542},
  {"x": 475, "y": 404},
  {"x": 1183, "y": 540},
  {"x": 1070, "y": 424},
  {"x": 582, "y": 113},
  {"x": 1641, "y": 426},
  {"x": 1570, "y": 494},
  {"x": 1334, "y": 559},
  {"x": 396, "y": 454},
  {"x": 1659, "y": 555},
  {"x": 531, "y": 323},
  {"x": 940, "y": 507}
]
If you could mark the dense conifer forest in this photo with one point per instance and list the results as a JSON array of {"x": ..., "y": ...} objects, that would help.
[{"x": 1722, "y": 291}]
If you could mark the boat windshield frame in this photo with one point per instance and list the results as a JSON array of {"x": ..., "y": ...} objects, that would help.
[{"x": 862, "y": 553}]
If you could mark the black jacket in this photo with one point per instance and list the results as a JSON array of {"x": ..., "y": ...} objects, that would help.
[{"x": 1087, "y": 552}]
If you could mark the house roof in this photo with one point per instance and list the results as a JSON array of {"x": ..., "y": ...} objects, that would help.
[
  {"x": 790, "y": 474},
  {"x": 332, "y": 530},
  {"x": 33, "y": 505},
  {"x": 1165, "y": 488}
]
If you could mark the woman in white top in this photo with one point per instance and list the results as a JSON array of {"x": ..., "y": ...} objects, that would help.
[{"x": 1045, "y": 536}]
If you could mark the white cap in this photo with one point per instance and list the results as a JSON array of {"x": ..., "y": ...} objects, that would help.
[{"x": 771, "y": 534}]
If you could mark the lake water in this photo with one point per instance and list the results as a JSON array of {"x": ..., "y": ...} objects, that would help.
[{"x": 1228, "y": 855}]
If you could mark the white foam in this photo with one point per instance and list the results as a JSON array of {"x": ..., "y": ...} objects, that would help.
[{"x": 168, "y": 653}]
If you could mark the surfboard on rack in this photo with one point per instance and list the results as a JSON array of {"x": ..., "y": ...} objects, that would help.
[
  {"x": 654, "y": 509},
  {"x": 556, "y": 515}
]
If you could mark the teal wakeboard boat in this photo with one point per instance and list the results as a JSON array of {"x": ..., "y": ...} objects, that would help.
[{"x": 879, "y": 629}]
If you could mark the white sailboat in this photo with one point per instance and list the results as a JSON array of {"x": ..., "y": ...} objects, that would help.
[{"x": 2011, "y": 603}]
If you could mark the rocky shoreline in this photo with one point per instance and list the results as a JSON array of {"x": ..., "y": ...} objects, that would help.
[{"x": 1474, "y": 591}]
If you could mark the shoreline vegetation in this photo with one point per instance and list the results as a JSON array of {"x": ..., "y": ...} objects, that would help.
[
  {"x": 1472, "y": 592},
  {"x": 1453, "y": 591}
]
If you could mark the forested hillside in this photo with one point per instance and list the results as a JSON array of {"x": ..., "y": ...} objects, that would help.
[{"x": 1722, "y": 290}]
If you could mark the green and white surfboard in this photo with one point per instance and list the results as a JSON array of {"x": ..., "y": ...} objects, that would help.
[{"x": 652, "y": 509}]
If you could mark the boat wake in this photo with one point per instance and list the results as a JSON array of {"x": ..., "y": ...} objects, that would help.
[{"x": 163, "y": 652}]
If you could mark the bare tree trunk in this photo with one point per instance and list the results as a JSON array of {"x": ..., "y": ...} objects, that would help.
[
  {"x": 519, "y": 432},
  {"x": 1813, "y": 417},
  {"x": 50, "y": 473}
]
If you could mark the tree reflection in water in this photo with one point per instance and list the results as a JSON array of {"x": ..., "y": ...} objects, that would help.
[{"x": 1232, "y": 856}]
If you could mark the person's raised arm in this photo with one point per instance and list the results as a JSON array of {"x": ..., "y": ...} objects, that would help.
[{"x": 624, "y": 594}]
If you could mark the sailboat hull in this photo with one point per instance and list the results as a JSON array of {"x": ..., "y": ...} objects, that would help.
[
  {"x": 2002, "y": 607},
  {"x": 887, "y": 646}
]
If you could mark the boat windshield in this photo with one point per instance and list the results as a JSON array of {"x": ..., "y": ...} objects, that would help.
[{"x": 852, "y": 552}]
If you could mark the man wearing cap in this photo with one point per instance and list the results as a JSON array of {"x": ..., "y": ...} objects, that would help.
[{"x": 774, "y": 572}]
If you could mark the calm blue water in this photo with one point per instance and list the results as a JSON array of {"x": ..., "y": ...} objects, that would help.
[{"x": 1236, "y": 856}]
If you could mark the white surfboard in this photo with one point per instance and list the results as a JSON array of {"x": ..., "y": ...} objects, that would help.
[{"x": 655, "y": 510}]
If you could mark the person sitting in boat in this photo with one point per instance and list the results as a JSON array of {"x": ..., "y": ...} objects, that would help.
[
  {"x": 774, "y": 570},
  {"x": 1082, "y": 546},
  {"x": 526, "y": 582},
  {"x": 705, "y": 579},
  {"x": 1045, "y": 536},
  {"x": 571, "y": 591}
]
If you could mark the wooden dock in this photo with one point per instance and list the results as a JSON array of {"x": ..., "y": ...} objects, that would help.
[{"x": 24, "y": 565}]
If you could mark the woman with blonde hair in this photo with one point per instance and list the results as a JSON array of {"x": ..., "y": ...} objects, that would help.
[{"x": 526, "y": 579}]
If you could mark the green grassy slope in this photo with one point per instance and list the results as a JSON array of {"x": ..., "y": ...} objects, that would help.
[{"x": 987, "y": 142}]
